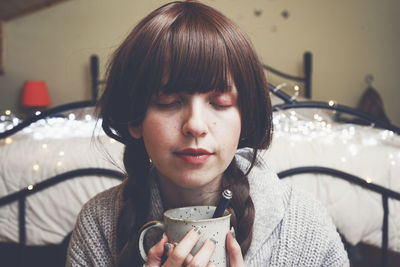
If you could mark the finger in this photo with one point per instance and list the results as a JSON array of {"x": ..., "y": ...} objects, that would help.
[
  {"x": 183, "y": 248},
  {"x": 211, "y": 264},
  {"x": 188, "y": 260},
  {"x": 156, "y": 252},
  {"x": 235, "y": 253},
  {"x": 203, "y": 256},
  {"x": 168, "y": 247}
]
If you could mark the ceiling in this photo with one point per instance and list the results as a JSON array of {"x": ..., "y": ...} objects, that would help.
[{"x": 10, "y": 9}]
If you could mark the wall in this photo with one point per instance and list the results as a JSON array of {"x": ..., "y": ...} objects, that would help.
[{"x": 348, "y": 39}]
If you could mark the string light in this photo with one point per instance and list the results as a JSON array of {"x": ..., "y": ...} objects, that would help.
[
  {"x": 44, "y": 146},
  {"x": 30, "y": 187},
  {"x": 35, "y": 167},
  {"x": 8, "y": 140},
  {"x": 61, "y": 153},
  {"x": 7, "y": 112}
]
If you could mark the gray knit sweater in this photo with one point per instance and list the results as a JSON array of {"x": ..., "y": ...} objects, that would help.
[{"x": 291, "y": 228}]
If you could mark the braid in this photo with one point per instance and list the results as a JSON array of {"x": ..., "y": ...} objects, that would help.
[
  {"x": 136, "y": 196},
  {"x": 241, "y": 205}
]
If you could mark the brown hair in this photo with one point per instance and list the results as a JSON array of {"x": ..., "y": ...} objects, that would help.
[{"x": 183, "y": 46}]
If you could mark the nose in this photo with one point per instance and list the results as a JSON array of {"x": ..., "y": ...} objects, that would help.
[{"x": 195, "y": 124}]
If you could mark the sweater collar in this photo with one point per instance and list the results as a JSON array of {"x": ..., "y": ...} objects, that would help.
[
  {"x": 267, "y": 194},
  {"x": 156, "y": 204}
]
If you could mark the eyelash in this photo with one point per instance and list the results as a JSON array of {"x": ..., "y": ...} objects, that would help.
[
  {"x": 168, "y": 105},
  {"x": 217, "y": 106}
]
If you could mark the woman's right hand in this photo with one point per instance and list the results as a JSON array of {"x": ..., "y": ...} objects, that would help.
[{"x": 179, "y": 254}]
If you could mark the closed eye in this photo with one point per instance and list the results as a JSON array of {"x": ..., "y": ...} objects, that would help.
[
  {"x": 220, "y": 106},
  {"x": 168, "y": 105},
  {"x": 167, "y": 101}
]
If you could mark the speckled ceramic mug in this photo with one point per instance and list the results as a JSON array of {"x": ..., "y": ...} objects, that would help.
[{"x": 177, "y": 222}]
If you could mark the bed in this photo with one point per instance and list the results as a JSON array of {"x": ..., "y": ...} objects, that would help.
[
  {"x": 348, "y": 159},
  {"x": 53, "y": 162}
]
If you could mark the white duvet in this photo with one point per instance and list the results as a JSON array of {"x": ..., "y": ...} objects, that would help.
[
  {"x": 311, "y": 138},
  {"x": 45, "y": 149}
]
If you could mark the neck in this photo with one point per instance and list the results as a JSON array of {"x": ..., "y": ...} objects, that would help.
[{"x": 175, "y": 196}]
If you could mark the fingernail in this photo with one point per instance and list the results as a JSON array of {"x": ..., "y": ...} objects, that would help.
[
  {"x": 233, "y": 232},
  {"x": 213, "y": 240},
  {"x": 167, "y": 247},
  {"x": 197, "y": 229}
]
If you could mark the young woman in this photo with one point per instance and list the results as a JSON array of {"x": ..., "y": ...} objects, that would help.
[{"x": 184, "y": 92}]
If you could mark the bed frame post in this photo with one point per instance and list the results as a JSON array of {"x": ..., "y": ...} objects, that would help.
[
  {"x": 385, "y": 230},
  {"x": 22, "y": 230},
  {"x": 94, "y": 70},
  {"x": 307, "y": 74}
]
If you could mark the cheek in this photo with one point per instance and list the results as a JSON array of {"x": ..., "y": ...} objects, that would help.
[
  {"x": 157, "y": 131},
  {"x": 230, "y": 128}
]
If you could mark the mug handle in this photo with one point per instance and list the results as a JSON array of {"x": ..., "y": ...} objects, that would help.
[{"x": 143, "y": 230}]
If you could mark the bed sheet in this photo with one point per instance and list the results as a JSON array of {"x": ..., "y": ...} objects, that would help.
[
  {"x": 43, "y": 150},
  {"x": 312, "y": 138}
]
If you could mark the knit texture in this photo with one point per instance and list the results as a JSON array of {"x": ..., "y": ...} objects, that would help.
[{"x": 290, "y": 228}]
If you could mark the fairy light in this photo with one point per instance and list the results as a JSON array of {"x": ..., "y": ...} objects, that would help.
[
  {"x": 71, "y": 116},
  {"x": 7, "y": 112},
  {"x": 343, "y": 159},
  {"x": 44, "y": 146},
  {"x": 61, "y": 153},
  {"x": 36, "y": 167},
  {"x": 112, "y": 141},
  {"x": 30, "y": 187},
  {"x": 88, "y": 117},
  {"x": 8, "y": 140},
  {"x": 59, "y": 163},
  {"x": 368, "y": 180},
  {"x": 37, "y": 113},
  {"x": 331, "y": 103}
]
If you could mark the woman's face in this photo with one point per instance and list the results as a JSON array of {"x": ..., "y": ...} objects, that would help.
[{"x": 191, "y": 139}]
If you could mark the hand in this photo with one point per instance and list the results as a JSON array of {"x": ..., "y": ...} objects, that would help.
[
  {"x": 234, "y": 251},
  {"x": 179, "y": 254}
]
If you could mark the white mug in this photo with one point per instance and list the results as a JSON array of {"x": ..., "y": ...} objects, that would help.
[{"x": 177, "y": 222}]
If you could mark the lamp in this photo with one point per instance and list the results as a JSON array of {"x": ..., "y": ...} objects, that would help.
[{"x": 35, "y": 94}]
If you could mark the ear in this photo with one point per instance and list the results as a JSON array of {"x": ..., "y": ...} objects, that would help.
[{"x": 135, "y": 131}]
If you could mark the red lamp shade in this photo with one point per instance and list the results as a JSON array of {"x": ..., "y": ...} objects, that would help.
[{"x": 35, "y": 94}]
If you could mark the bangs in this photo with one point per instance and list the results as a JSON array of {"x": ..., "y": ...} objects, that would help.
[{"x": 197, "y": 57}]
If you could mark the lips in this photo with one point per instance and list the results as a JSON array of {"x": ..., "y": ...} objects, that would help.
[{"x": 194, "y": 156}]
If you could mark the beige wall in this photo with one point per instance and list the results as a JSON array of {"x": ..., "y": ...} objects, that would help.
[{"x": 348, "y": 39}]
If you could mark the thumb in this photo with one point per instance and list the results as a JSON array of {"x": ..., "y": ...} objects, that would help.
[
  {"x": 235, "y": 253},
  {"x": 156, "y": 252}
]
